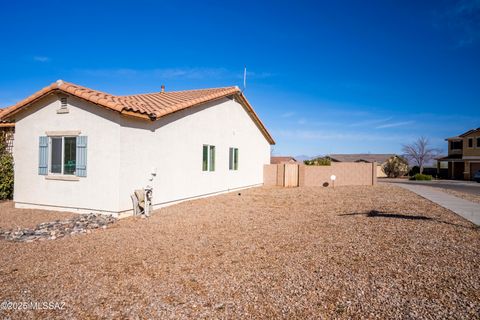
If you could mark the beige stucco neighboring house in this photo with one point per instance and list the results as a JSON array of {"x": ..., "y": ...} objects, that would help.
[
  {"x": 82, "y": 150},
  {"x": 380, "y": 159},
  {"x": 463, "y": 158}
]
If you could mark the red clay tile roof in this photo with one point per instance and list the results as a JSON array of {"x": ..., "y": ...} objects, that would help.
[{"x": 148, "y": 106}]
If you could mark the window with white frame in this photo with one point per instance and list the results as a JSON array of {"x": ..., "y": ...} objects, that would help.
[
  {"x": 208, "y": 160},
  {"x": 233, "y": 159},
  {"x": 63, "y": 153}
]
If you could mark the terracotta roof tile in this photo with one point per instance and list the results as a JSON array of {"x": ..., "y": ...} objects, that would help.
[{"x": 149, "y": 105}]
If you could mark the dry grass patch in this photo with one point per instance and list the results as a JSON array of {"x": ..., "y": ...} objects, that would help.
[{"x": 372, "y": 252}]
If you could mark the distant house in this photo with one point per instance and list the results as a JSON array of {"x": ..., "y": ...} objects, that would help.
[
  {"x": 380, "y": 159},
  {"x": 463, "y": 158},
  {"x": 282, "y": 160},
  {"x": 82, "y": 150}
]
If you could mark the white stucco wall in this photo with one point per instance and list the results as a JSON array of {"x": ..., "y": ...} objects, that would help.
[
  {"x": 123, "y": 151},
  {"x": 173, "y": 145},
  {"x": 99, "y": 189}
]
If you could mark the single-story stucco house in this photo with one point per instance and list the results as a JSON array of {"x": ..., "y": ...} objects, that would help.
[
  {"x": 380, "y": 159},
  {"x": 82, "y": 150}
]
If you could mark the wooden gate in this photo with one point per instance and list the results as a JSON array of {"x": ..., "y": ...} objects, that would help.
[{"x": 291, "y": 175}]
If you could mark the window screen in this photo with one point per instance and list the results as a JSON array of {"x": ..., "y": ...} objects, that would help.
[
  {"x": 70, "y": 155},
  {"x": 56, "y": 165}
]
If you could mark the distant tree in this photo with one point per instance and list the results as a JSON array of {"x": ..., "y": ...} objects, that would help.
[
  {"x": 320, "y": 161},
  {"x": 395, "y": 167},
  {"x": 420, "y": 152}
]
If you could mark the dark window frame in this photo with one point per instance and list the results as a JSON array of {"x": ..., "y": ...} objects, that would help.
[{"x": 469, "y": 142}]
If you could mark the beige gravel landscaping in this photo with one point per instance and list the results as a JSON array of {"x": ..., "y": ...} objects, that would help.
[
  {"x": 353, "y": 252},
  {"x": 26, "y": 218}
]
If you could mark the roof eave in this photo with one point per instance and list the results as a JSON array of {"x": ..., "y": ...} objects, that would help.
[
  {"x": 55, "y": 89},
  {"x": 255, "y": 117}
]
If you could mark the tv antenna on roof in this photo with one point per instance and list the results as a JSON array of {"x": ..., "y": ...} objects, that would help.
[{"x": 244, "y": 78}]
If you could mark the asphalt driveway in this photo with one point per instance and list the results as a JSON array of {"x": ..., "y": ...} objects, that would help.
[{"x": 471, "y": 187}]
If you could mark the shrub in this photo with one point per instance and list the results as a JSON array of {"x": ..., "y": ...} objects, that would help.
[
  {"x": 318, "y": 162},
  {"x": 395, "y": 167},
  {"x": 420, "y": 176},
  {"x": 6, "y": 170},
  {"x": 414, "y": 170}
]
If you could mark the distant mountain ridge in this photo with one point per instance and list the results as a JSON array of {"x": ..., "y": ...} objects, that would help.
[{"x": 302, "y": 157}]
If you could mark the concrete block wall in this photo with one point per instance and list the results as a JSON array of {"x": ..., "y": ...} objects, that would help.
[{"x": 347, "y": 174}]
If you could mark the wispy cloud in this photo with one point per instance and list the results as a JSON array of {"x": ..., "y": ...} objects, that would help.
[
  {"x": 369, "y": 122},
  {"x": 339, "y": 135},
  {"x": 191, "y": 73},
  {"x": 258, "y": 75},
  {"x": 287, "y": 114},
  {"x": 302, "y": 121},
  {"x": 462, "y": 19},
  {"x": 41, "y": 59},
  {"x": 175, "y": 73},
  {"x": 395, "y": 124}
]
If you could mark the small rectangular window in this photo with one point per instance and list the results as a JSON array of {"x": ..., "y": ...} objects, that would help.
[
  {"x": 456, "y": 145},
  {"x": 470, "y": 142},
  {"x": 230, "y": 159},
  {"x": 233, "y": 159},
  {"x": 56, "y": 151},
  {"x": 70, "y": 155},
  {"x": 478, "y": 142},
  {"x": 63, "y": 154},
  {"x": 212, "y": 158},
  {"x": 205, "y": 158},
  {"x": 208, "y": 158}
]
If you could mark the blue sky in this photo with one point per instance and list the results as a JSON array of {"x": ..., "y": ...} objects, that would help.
[{"x": 324, "y": 76}]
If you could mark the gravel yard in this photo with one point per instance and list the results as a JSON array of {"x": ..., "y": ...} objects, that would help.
[
  {"x": 26, "y": 218},
  {"x": 372, "y": 252},
  {"x": 467, "y": 196}
]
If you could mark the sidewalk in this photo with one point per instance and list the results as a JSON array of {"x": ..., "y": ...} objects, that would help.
[{"x": 467, "y": 209}]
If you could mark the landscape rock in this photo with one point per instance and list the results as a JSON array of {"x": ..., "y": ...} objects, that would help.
[{"x": 59, "y": 228}]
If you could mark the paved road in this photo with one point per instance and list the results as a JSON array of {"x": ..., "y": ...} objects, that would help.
[
  {"x": 456, "y": 185},
  {"x": 467, "y": 209}
]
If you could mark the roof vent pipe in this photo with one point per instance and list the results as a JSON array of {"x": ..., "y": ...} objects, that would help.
[{"x": 163, "y": 88}]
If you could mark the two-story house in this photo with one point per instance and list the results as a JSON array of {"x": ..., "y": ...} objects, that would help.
[{"x": 463, "y": 155}]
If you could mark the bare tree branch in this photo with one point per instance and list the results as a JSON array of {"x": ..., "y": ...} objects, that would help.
[{"x": 420, "y": 152}]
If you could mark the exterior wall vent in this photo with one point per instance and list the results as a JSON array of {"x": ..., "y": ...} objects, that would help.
[{"x": 63, "y": 105}]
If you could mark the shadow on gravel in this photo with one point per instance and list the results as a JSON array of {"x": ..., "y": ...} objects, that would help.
[{"x": 375, "y": 213}]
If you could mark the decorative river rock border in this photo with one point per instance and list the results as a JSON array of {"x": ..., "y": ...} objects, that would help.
[{"x": 59, "y": 228}]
